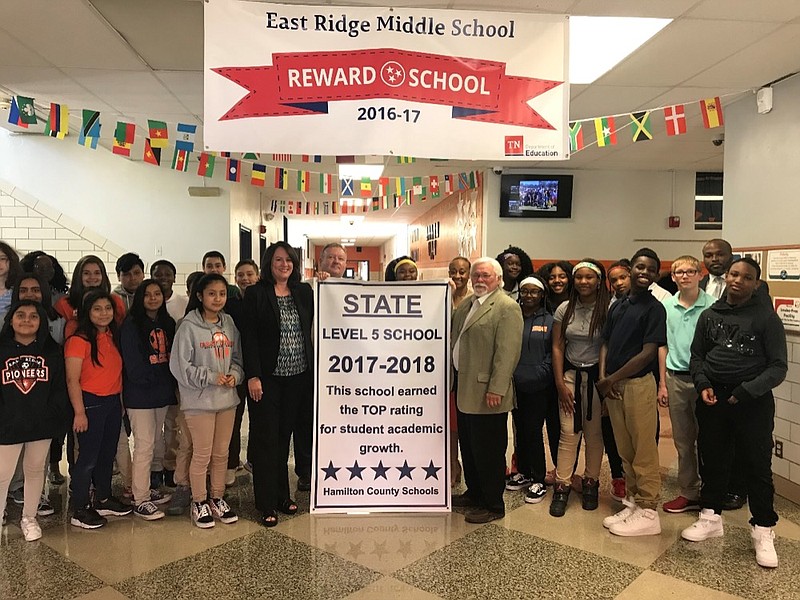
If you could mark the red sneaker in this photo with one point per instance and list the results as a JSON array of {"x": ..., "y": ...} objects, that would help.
[
  {"x": 680, "y": 504},
  {"x": 618, "y": 491}
]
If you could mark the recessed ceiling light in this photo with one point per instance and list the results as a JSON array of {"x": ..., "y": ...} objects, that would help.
[{"x": 598, "y": 44}]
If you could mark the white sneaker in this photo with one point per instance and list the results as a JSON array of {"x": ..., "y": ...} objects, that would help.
[
  {"x": 764, "y": 544},
  {"x": 627, "y": 511},
  {"x": 709, "y": 525},
  {"x": 32, "y": 531},
  {"x": 230, "y": 477},
  {"x": 644, "y": 521}
]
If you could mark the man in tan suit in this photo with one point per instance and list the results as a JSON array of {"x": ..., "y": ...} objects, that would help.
[{"x": 486, "y": 339}]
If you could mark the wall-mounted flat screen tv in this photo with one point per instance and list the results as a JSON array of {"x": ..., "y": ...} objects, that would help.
[{"x": 536, "y": 196}]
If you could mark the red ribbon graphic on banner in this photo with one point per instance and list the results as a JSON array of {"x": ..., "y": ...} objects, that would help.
[{"x": 304, "y": 83}]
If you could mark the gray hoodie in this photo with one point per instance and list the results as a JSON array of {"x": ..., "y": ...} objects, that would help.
[
  {"x": 127, "y": 297},
  {"x": 200, "y": 352}
]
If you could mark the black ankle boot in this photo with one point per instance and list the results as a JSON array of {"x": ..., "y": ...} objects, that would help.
[
  {"x": 558, "y": 506},
  {"x": 590, "y": 487}
]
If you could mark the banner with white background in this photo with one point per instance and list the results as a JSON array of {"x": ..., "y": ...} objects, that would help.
[
  {"x": 343, "y": 80},
  {"x": 381, "y": 399}
]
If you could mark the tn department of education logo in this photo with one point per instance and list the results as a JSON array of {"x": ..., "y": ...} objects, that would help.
[
  {"x": 24, "y": 371},
  {"x": 393, "y": 74},
  {"x": 514, "y": 145}
]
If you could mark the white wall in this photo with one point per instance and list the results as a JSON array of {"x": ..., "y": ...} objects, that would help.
[
  {"x": 762, "y": 169},
  {"x": 136, "y": 205},
  {"x": 614, "y": 213},
  {"x": 762, "y": 176}
]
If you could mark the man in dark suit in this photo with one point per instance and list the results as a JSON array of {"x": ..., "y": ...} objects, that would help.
[
  {"x": 486, "y": 341},
  {"x": 717, "y": 257}
]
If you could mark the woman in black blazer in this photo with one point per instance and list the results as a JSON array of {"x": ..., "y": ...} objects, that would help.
[{"x": 278, "y": 364}]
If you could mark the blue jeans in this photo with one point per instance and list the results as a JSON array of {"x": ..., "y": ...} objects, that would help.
[{"x": 96, "y": 448}]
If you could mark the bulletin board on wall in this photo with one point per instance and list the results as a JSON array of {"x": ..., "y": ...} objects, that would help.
[
  {"x": 780, "y": 268},
  {"x": 449, "y": 229}
]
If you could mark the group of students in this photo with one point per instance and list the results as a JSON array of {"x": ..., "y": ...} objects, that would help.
[
  {"x": 602, "y": 349},
  {"x": 167, "y": 369}
]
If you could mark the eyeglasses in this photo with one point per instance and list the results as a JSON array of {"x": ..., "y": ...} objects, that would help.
[
  {"x": 533, "y": 292},
  {"x": 687, "y": 272}
]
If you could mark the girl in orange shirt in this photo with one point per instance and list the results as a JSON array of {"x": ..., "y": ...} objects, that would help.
[{"x": 94, "y": 383}]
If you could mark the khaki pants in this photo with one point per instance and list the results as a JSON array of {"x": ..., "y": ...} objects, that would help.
[
  {"x": 34, "y": 463},
  {"x": 183, "y": 454},
  {"x": 123, "y": 458},
  {"x": 167, "y": 444},
  {"x": 146, "y": 425},
  {"x": 634, "y": 419},
  {"x": 211, "y": 434},
  {"x": 682, "y": 402},
  {"x": 569, "y": 440}
]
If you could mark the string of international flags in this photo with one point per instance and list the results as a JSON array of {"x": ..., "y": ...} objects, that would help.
[
  {"x": 357, "y": 195},
  {"x": 360, "y": 195},
  {"x": 605, "y": 128}
]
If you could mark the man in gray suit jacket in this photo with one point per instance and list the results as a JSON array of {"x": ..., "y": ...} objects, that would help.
[{"x": 486, "y": 340}]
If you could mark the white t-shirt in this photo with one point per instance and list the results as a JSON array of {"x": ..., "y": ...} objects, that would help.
[{"x": 176, "y": 306}]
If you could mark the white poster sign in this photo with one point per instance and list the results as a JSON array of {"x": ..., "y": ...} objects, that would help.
[
  {"x": 381, "y": 398},
  {"x": 783, "y": 265},
  {"x": 344, "y": 80},
  {"x": 788, "y": 310}
]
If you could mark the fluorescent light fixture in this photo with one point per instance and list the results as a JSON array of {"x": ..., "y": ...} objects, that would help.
[
  {"x": 357, "y": 172},
  {"x": 598, "y": 44}
]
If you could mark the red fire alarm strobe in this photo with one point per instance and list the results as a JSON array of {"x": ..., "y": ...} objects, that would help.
[{"x": 674, "y": 221}]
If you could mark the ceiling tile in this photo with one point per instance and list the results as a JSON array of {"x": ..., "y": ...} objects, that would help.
[
  {"x": 683, "y": 49},
  {"x": 560, "y": 7},
  {"x": 68, "y": 33},
  {"x": 626, "y": 8},
  {"x": 692, "y": 95},
  {"x": 173, "y": 40},
  {"x": 601, "y": 100},
  {"x": 45, "y": 85},
  {"x": 766, "y": 60},
  {"x": 777, "y": 11},
  {"x": 128, "y": 92},
  {"x": 14, "y": 54},
  {"x": 186, "y": 86}
]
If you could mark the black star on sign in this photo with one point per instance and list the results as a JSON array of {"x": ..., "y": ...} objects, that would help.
[
  {"x": 405, "y": 470},
  {"x": 380, "y": 470},
  {"x": 355, "y": 471},
  {"x": 430, "y": 471},
  {"x": 330, "y": 471}
]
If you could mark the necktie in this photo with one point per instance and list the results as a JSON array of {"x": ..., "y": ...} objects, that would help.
[{"x": 717, "y": 285}]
